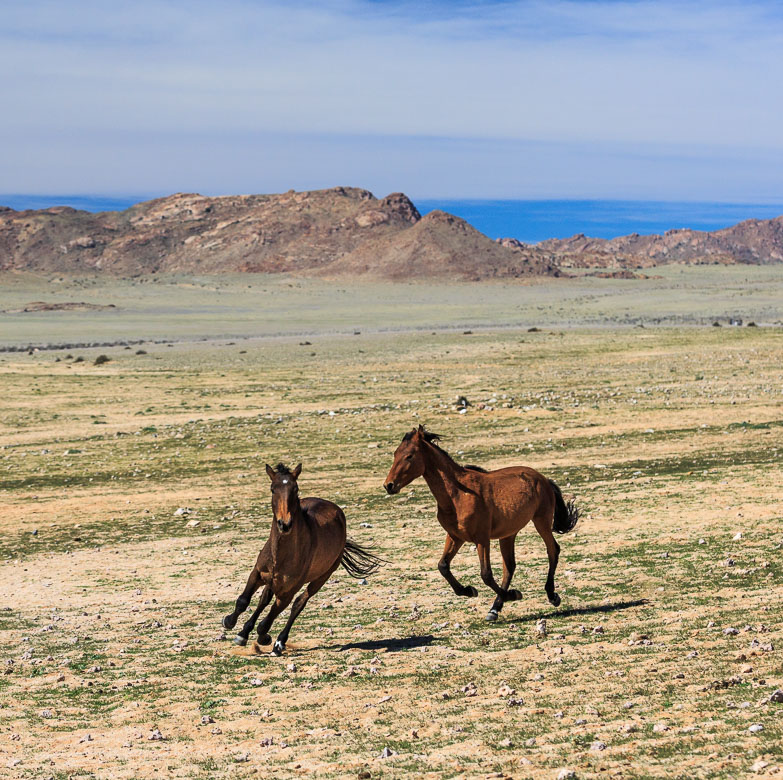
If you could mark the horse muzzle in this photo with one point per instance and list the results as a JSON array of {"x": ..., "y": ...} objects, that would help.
[
  {"x": 284, "y": 527},
  {"x": 391, "y": 488}
]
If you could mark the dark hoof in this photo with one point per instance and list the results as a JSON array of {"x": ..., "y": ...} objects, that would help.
[
  {"x": 229, "y": 621},
  {"x": 554, "y": 599},
  {"x": 278, "y": 648},
  {"x": 264, "y": 640},
  {"x": 492, "y": 616},
  {"x": 240, "y": 640},
  {"x": 469, "y": 592},
  {"x": 514, "y": 595}
]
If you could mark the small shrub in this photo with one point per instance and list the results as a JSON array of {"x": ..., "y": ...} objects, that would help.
[{"x": 101, "y": 359}]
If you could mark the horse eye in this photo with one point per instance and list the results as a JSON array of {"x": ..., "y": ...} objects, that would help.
[{"x": 409, "y": 457}]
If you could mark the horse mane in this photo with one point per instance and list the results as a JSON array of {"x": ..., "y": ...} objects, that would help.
[{"x": 432, "y": 438}]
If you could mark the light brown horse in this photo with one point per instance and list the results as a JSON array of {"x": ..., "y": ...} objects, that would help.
[
  {"x": 475, "y": 505},
  {"x": 306, "y": 544}
]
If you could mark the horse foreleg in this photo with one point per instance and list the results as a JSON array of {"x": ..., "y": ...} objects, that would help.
[
  {"x": 281, "y": 602},
  {"x": 298, "y": 606},
  {"x": 253, "y": 584},
  {"x": 266, "y": 597},
  {"x": 508, "y": 554},
  {"x": 450, "y": 549},
  {"x": 489, "y": 580},
  {"x": 544, "y": 528}
]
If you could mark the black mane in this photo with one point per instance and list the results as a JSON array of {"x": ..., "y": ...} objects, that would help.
[
  {"x": 281, "y": 468},
  {"x": 432, "y": 438}
]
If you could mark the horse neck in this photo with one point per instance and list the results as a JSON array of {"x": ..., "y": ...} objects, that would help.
[{"x": 442, "y": 476}]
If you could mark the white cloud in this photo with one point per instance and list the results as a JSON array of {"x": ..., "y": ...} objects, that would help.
[{"x": 585, "y": 75}]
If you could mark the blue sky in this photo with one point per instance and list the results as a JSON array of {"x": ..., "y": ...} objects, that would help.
[{"x": 601, "y": 99}]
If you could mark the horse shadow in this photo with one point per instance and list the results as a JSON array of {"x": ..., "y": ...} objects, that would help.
[
  {"x": 596, "y": 609},
  {"x": 392, "y": 645}
]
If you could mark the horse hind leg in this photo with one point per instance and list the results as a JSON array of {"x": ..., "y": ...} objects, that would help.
[
  {"x": 544, "y": 528},
  {"x": 450, "y": 549},
  {"x": 297, "y": 608}
]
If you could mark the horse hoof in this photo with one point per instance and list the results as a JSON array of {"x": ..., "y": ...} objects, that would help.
[
  {"x": 278, "y": 648},
  {"x": 229, "y": 621},
  {"x": 469, "y": 592},
  {"x": 264, "y": 640},
  {"x": 554, "y": 600},
  {"x": 240, "y": 640},
  {"x": 514, "y": 595},
  {"x": 492, "y": 616}
]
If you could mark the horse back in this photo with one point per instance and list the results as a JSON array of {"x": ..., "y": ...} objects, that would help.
[{"x": 324, "y": 514}]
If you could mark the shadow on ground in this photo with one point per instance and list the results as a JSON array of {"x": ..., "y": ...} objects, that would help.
[
  {"x": 389, "y": 645},
  {"x": 596, "y": 609}
]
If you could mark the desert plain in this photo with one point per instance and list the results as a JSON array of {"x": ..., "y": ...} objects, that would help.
[{"x": 133, "y": 501}]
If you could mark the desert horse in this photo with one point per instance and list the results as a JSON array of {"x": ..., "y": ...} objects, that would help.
[
  {"x": 306, "y": 544},
  {"x": 475, "y": 506}
]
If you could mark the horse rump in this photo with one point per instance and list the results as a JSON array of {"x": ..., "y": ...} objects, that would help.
[
  {"x": 566, "y": 512},
  {"x": 359, "y": 561}
]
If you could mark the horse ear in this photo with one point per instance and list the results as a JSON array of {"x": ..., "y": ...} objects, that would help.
[
  {"x": 297, "y": 471},
  {"x": 420, "y": 430},
  {"x": 270, "y": 471}
]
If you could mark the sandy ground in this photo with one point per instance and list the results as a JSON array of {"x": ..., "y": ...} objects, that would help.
[{"x": 663, "y": 656}]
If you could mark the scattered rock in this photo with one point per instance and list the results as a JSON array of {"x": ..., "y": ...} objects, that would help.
[
  {"x": 388, "y": 753},
  {"x": 755, "y": 728},
  {"x": 541, "y": 627},
  {"x": 155, "y": 735},
  {"x": 598, "y": 745},
  {"x": 207, "y": 719},
  {"x": 776, "y": 696},
  {"x": 566, "y": 774}
]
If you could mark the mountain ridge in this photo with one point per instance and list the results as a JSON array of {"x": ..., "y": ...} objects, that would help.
[{"x": 335, "y": 232}]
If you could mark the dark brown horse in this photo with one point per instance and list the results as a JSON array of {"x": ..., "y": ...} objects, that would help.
[
  {"x": 307, "y": 543},
  {"x": 475, "y": 505}
]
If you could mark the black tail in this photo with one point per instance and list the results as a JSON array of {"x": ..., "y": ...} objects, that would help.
[
  {"x": 566, "y": 512},
  {"x": 359, "y": 561}
]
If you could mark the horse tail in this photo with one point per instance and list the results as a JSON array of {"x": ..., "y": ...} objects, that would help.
[
  {"x": 566, "y": 512},
  {"x": 359, "y": 561}
]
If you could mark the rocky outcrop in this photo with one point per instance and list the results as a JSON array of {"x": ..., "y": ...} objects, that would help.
[
  {"x": 291, "y": 232},
  {"x": 757, "y": 242},
  {"x": 441, "y": 246},
  {"x": 336, "y": 232}
]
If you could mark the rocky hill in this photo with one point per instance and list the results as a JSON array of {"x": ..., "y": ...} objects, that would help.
[
  {"x": 327, "y": 232},
  {"x": 757, "y": 242},
  {"x": 336, "y": 232},
  {"x": 441, "y": 245}
]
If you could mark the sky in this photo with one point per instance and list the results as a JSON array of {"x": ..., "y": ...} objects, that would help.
[{"x": 652, "y": 99}]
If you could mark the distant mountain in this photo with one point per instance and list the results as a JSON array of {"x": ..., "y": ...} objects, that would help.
[
  {"x": 295, "y": 231},
  {"x": 756, "y": 242},
  {"x": 443, "y": 246},
  {"x": 336, "y": 232}
]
